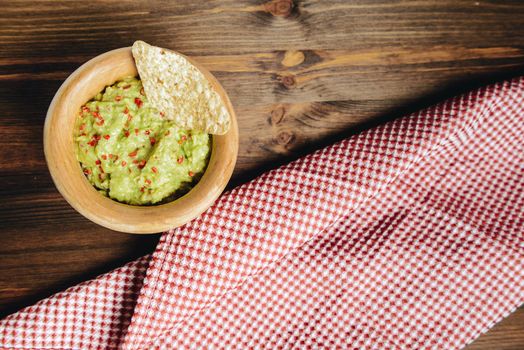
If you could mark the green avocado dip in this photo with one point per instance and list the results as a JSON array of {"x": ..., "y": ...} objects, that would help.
[{"x": 131, "y": 153}]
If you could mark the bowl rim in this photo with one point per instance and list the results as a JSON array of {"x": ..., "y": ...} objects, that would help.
[{"x": 73, "y": 185}]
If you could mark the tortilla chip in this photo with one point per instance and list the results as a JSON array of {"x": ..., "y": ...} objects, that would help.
[{"x": 177, "y": 88}]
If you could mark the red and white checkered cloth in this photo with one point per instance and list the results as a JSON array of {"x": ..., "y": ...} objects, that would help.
[{"x": 407, "y": 236}]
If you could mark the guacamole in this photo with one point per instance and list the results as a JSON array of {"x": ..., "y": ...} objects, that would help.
[{"x": 130, "y": 152}]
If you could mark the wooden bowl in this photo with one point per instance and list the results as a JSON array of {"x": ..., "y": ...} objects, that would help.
[{"x": 82, "y": 86}]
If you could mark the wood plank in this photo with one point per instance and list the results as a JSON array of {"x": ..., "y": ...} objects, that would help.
[{"x": 238, "y": 27}]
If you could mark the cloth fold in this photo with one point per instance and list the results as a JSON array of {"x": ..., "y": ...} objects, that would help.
[{"x": 405, "y": 236}]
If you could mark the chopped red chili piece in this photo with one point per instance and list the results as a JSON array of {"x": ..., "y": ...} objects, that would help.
[
  {"x": 129, "y": 117},
  {"x": 155, "y": 170},
  {"x": 191, "y": 173},
  {"x": 126, "y": 87},
  {"x": 136, "y": 132},
  {"x": 82, "y": 127},
  {"x": 148, "y": 181},
  {"x": 152, "y": 140},
  {"x": 97, "y": 115},
  {"x": 124, "y": 163},
  {"x": 142, "y": 164},
  {"x": 94, "y": 140},
  {"x": 134, "y": 153},
  {"x": 138, "y": 102},
  {"x": 107, "y": 137},
  {"x": 100, "y": 122},
  {"x": 87, "y": 171},
  {"x": 162, "y": 114},
  {"x": 147, "y": 132},
  {"x": 141, "y": 189},
  {"x": 82, "y": 134},
  {"x": 85, "y": 109},
  {"x": 126, "y": 110},
  {"x": 98, "y": 162},
  {"x": 180, "y": 160},
  {"x": 118, "y": 98},
  {"x": 104, "y": 157},
  {"x": 101, "y": 169},
  {"x": 182, "y": 139},
  {"x": 126, "y": 132}
]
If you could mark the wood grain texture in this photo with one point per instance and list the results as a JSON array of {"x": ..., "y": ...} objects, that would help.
[{"x": 300, "y": 74}]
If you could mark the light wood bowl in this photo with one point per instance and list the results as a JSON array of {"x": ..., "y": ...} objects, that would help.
[{"x": 82, "y": 86}]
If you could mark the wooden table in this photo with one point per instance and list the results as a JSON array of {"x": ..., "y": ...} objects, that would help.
[{"x": 301, "y": 75}]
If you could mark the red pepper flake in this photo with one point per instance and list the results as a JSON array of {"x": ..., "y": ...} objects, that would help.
[
  {"x": 104, "y": 157},
  {"x": 107, "y": 137},
  {"x": 136, "y": 132},
  {"x": 98, "y": 162},
  {"x": 129, "y": 117},
  {"x": 155, "y": 170},
  {"x": 83, "y": 134},
  {"x": 116, "y": 158},
  {"x": 142, "y": 164},
  {"x": 126, "y": 132},
  {"x": 118, "y": 98},
  {"x": 135, "y": 161},
  {"x": 124, "y": 163},
  {"x": 134, "y": 153},
  {"x": 94, "y": 140},
  {"x": 148, "y": 181},
  {"x": 168, "y": 132},
  {"x": 101, "y": 169},
  {"x": 100, "y": 122},
  {"x": 86, "y": 109},
  {"x": 147, "y": 132},
  {"x": 110, "y": 156},
  {"x": 162, "y": 114},
  {"x": 87, "y": 171},
  {"x": 126, "y": 110},
  {"x": 97, "y": 115},
  {"x": 152, "y": 140},
  {"x": 126, "y": 87},
  {"x": 142, "y": 92},
  {"x": 138, "y": 102},
  {"x": 190, "y": 173},
  {"x": 141, "y": 189},
  {"x": 82, "y": 127},
  {"x": 182, "y": 139},
  {"x": 180, "y": 160}
]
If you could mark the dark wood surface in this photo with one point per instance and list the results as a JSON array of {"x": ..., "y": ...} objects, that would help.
[{"x": 300, "y": 74}]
